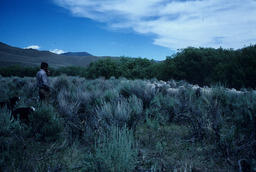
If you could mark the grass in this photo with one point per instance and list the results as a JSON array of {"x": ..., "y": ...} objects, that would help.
[{"x": 125, "y": 125}]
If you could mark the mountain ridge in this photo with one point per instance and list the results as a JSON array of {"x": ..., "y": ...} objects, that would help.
[
  {"x": 10, "y": 55},
  {"x": 76, "y": 54}
]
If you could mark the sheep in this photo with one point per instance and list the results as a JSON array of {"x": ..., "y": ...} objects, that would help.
[
  {"x": 162, "y": 82},
  {"x": 206, "y": 91},
  {"x": 10, "y": 103},
  {"x": 172, "y": 91},
  {"x": 160, "y": 86},
  {"x": 234, "y": 91},
  {"x": 24, "y": 113},
  {"x": 150, "y": 86},
  {"x": 195, "y": 87},
  {"x": 172, "y": 83}
]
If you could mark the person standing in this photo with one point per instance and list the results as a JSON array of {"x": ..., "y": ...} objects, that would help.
[{"x": 43, "y": 82}]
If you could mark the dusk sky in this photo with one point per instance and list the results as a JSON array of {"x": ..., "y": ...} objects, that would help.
[{"x": 152, "y": 29}]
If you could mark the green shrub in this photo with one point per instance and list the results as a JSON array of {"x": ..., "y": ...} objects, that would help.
[
  {"x": 111, "y": 95},
  {"x": 115, "y": 151},
  {"x": 238, "y": 125},
  {"x": 46, "y": 123},
  {"x": 17, "y": 70},
  {"x": 12, "y": 136},
  {"x": 121, "y": 112},
  {"x": 217, "y": 127},
  {"x": 139, "y": 89},
  {"x": 162, "y": 108},
  {"x": 68, "y": 102},
  {"x": 61, "y": 82},
  {"x": 136, "y": 116}
]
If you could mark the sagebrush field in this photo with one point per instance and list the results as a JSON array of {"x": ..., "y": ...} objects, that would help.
[{"x": 128, "y": 125}]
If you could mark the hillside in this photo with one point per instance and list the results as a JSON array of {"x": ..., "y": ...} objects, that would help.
[{"x": 12, "y": 55}]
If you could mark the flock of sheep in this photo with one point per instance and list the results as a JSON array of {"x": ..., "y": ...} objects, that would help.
[{"x": 171, "y": 87}]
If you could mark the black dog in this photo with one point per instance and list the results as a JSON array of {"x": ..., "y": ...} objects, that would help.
[
  {"x": 10, "y": 103},
  {"x": 23, "y": 113}
]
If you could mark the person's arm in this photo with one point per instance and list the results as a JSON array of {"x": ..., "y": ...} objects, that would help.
[
  {"x": 45, "y": 81},
  {"x": 47, "y": 72}
]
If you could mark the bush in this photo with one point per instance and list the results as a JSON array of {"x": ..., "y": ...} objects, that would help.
[
  {"x": 60, "y": 83},
  {"x": 12, "y": 135},
  {"x": 122, "y": 112},
  {"x": 115, "y": 151},
  {"x": 162, "y": 108},
  {"x": 46, "y": 123},
  {"x": 213, "y": 128},
  {"x": 68, "y": 103},
  {"x": 139, "y": 89},
  {"x": 238, "y": 126}
]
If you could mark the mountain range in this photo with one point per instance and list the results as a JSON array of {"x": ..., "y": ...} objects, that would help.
[
  {"x": 30, "y": 57},
  {"x": 76, "y": 54}
]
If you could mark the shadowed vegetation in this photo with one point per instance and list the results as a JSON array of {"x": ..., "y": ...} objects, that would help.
[{"x": 128, "y": 125}]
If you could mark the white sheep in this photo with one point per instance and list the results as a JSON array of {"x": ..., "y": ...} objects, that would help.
[
  {"x": 234, "y": 91},
  {"x": 206, "y": 90},
  {"x": 172, "y": 90},
  {"x": 195, "y": 87},
  {"x": 150, "y": 86}
]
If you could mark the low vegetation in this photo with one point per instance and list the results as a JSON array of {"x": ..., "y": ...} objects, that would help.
[{"x": 128, "y": 125}]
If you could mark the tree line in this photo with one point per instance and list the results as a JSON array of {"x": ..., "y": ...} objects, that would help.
[{"x": 202, "y": 66}]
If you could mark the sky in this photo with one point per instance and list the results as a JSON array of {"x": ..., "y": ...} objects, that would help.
[{"x": 150, "y": 29}]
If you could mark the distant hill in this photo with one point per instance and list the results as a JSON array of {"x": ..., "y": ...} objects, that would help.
[
  {"x": 30, "y": 57},
  {"x": 76, "y": 54}
]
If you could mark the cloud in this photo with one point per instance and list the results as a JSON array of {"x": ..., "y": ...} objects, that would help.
[
  {"x": 57, "y": 51},
  {"x": 36, "y": 47},
  {"x": 176, "y": 23}
]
